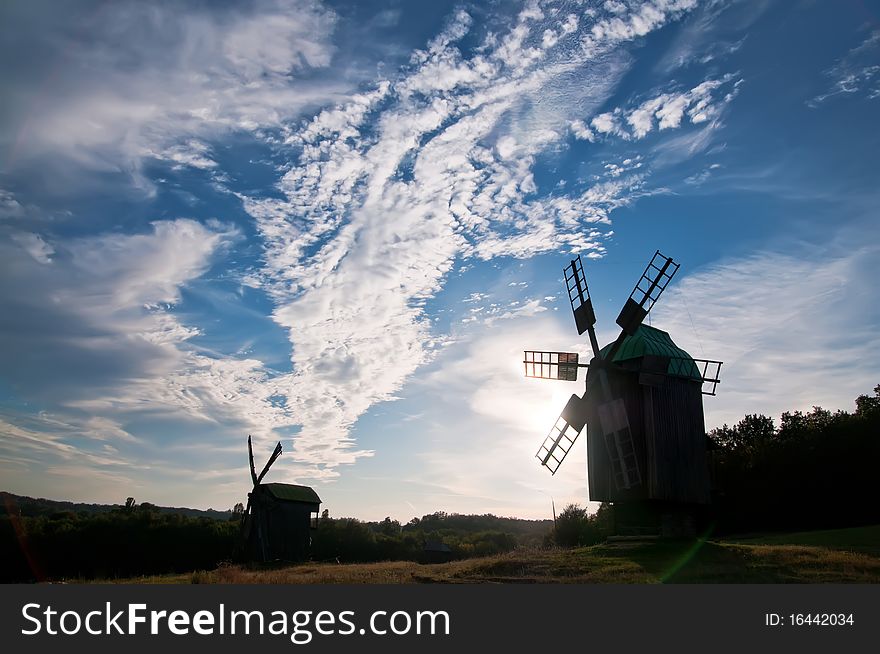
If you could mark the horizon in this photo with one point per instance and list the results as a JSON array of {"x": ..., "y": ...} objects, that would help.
[{"x": 338, "y": 225}]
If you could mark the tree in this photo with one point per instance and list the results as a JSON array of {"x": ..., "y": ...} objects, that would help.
[
  {"x": 570, "y": 526},
  {"x": 129, "y": 504},
  {"x": 867, "y": 405},
  {"x": 604, "y": 519},
  {"x": 753, "y": 431},
  {"x": 762, "y": 478},
  {"x": 389, "y": 527},
  {"x": 238, "y": 509}
]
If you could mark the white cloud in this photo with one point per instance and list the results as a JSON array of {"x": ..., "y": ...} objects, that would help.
[
  {"x": 582, "y": 132},
  {"x": 386, "y": 191},
  {"x": 855, "y": 71},
  {"x": 605, "y": 123},
  {"x": 394, "y": 186},
  {"x": 486, "y": 422},
  {"x": 10, "y": 207},
  {"x": 105, "y": 305},
  {"x": 669, "y": 109},
  {"x": 792, "y": 331},
  {"x": 665, "y": 111},
  {"x": 642, "y": 19},
  {"x": 710, "y": 33},
  {"x": 35, "y": 246},
  {"x": 142, "y": 81},
  {"x": 193, "y": 153}
]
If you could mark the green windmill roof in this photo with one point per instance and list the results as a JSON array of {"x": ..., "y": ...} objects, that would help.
[
  {"x": 650, "y": 340},
  {"x": 292, "y": 493}
]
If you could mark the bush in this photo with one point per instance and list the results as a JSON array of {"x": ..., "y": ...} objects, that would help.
[{"x": 575, "y": 528}]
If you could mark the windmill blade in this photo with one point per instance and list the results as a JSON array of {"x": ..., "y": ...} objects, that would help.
[
  {"x": 563, "y": 434},
  {"x": 706, "y": 370},
  {"x": 251, "y": 458},
  {"x": 269, "y": 463},
  {"x": 552, "y": 365},
  {"x": 579, "y": 295},
  {"x": 658, "y": 273},
  {"x": 655, "y": 370},
  {"x": 581, "y": 303}
]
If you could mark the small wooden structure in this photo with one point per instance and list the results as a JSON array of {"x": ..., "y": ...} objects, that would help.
[
  {"x": 277, "y": 524},
  {"x": 436, "y": 552},
  {"x": 279, "y": 527}
]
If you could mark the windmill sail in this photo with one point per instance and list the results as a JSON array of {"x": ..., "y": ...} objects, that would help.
[
  {"x": 269, "y": 463},
  {"x": 551, "y": 365},
  {"x": 579, "y": 295},
  {"x": 706, "y": 370},
  {"x": 654, "y": 280},
  {"x": 251, "y": 459},
  {"x": 656, "y": 369},
  {"x": 563, "y": 434}
]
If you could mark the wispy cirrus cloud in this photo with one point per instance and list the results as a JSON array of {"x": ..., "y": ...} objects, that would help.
[
  {"x": 702, "y": 104},
  {"x": 791, "y": 330},
  {"x": 387, "y": 191},
  {"x": 103, "y": 306},
  {"x": 379, "y": 197},
  {"x": 710, "y": 33},
  {"x": 129, "y": 82},
  {"x": 858, "y": 70}
]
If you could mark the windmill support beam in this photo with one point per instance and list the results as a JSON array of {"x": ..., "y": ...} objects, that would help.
[{"x": 594, "y": 343}]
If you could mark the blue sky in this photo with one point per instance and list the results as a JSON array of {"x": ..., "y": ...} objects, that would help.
[{"x": 339, "y": 225}]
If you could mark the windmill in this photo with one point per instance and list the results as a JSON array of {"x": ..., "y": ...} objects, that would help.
[
  {"x": 277, "y": 522},
  {"x": 642, "y": 407}
]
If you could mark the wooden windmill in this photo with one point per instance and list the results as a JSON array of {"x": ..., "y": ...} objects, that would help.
[
  {"x": 642, "y": 408},
  {"x": 278, "y": 520}
]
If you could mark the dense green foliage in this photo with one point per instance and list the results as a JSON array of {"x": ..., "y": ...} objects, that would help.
[
  {"x": 349, "y": 540},
  {"x": 117, "y": 543},
  {"x": 32, "y": 507},
  {"x": 38, "y": 542},
  {"x": 815, "y": 470},
  {"x": 576, "y": 528}
]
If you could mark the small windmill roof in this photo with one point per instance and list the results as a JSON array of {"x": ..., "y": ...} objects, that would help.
[
  {"x": 653, "y": 341},
  {"x": 292, "y": 493}
]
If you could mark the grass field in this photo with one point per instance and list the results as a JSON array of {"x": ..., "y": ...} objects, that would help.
[{"x": 833, "y": 556}]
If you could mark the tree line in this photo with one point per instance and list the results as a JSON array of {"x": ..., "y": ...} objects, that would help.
[
  {"x": 348, "y": 539},
  {"x": 814, "y": 470},
  {"x": 122, "y": 542},
  {"x": 39, "y": 544}
]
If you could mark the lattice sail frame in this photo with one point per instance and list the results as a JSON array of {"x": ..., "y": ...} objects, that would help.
[
  {"x": 579, "y": 295},
  {"x": 551, "y": 365},
  {"x": 654, "y": 280},
  {"x": 563, "y": 434}
]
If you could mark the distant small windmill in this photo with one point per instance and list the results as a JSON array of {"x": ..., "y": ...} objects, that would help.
[
  {"x": 643, "y": 409},
  {"x": 278, "y": 520}
]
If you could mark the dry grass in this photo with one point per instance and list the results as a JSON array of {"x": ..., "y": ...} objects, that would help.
[{"x": 656, "y": 562}]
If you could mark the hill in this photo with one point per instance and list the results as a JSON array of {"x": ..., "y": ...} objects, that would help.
[{"x": 35, "y": 507}]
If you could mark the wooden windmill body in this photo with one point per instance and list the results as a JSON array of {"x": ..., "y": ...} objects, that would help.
[
  {"x": 279, "y": 518},
  {"x": 642, "y": 409}
]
